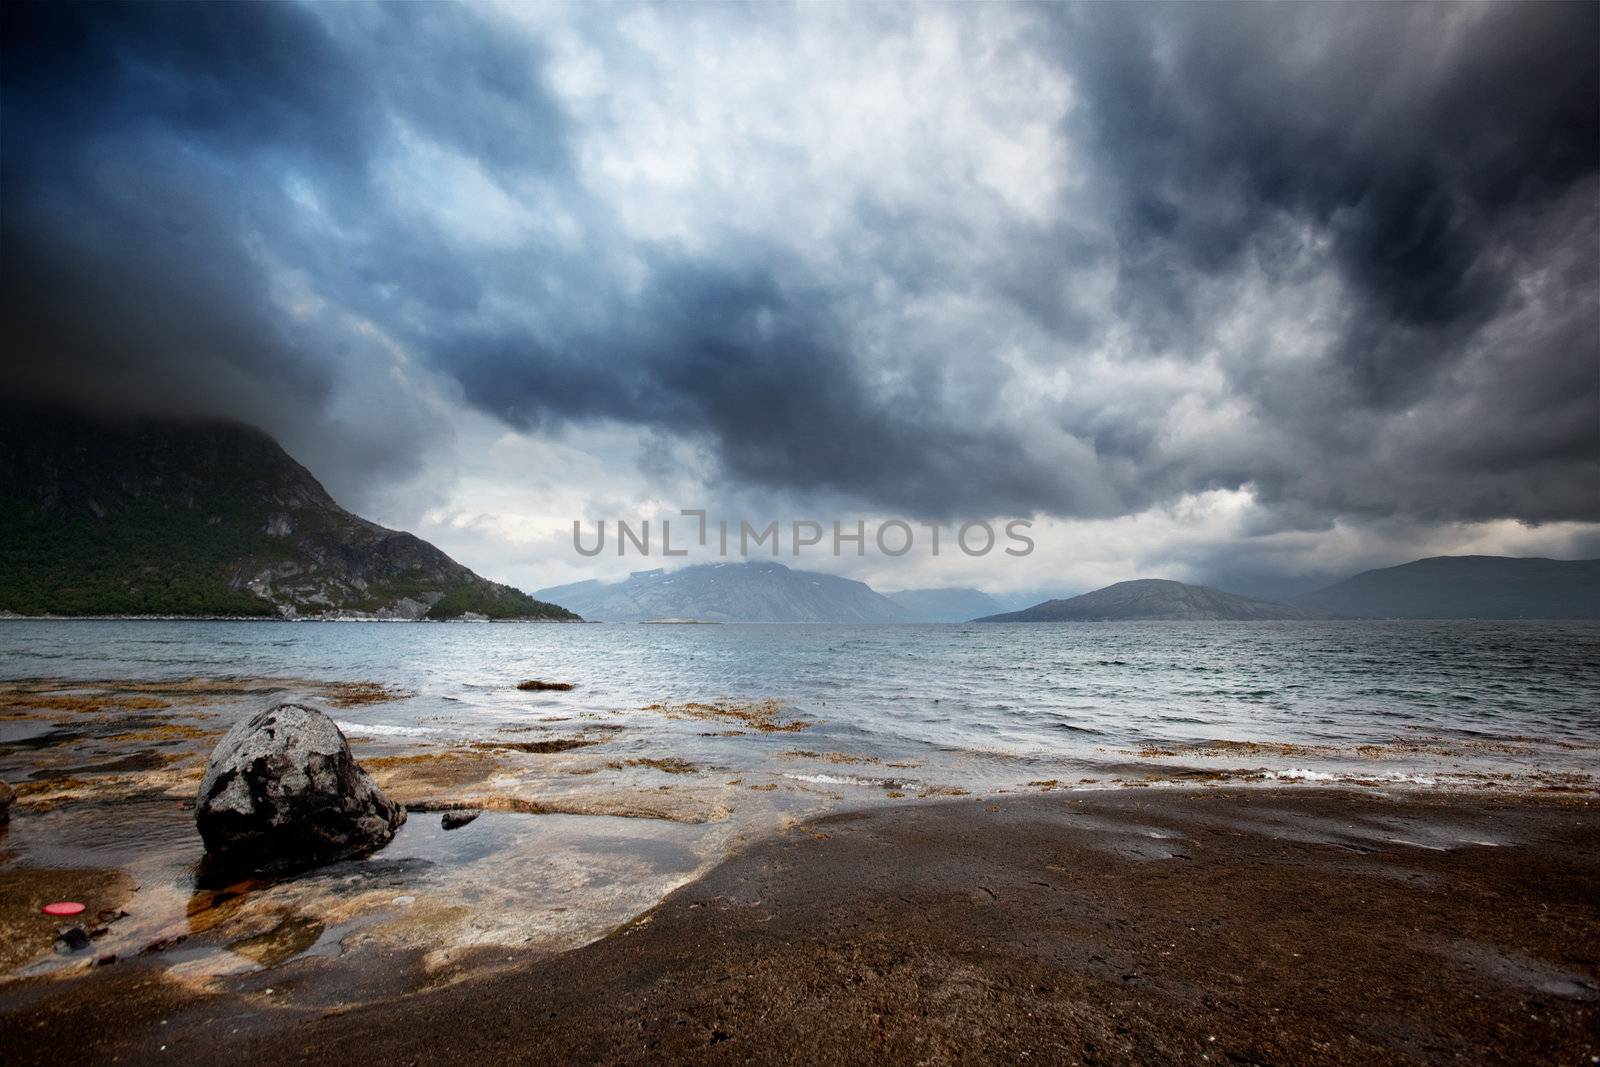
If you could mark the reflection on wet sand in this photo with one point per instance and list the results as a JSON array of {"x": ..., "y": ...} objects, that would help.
[
  {"x": 588, "y": 821},
  {"x": 109, "y": 769}
]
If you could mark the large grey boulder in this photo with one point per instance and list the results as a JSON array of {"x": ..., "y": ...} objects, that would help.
[{"x": 282, "y": 790}]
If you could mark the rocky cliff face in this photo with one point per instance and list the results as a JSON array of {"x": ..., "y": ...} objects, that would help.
[
  {"x": 187, "y": 518},
  {"x": 730, "y": 592},
  {"x": 1155, "y": 599}
]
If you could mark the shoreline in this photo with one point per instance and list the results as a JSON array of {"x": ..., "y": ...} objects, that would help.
[
  {"x": 602, "y": 820},
  {"x": 1186, "y": 925},
  {"x": 12, "y": 617}
]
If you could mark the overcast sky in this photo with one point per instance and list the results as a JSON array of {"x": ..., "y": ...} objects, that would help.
[{"x": 1239, "y": 294}]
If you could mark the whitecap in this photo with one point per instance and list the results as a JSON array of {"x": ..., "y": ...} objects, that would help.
[
  {"x": 379, "y": 729},
  {"x": 846, "y": 779}
]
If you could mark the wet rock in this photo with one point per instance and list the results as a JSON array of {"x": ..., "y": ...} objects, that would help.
[
  {"x": 292, "y": 935},
  {"x": 161, "y": 944},
  {"x": 7, "y": 795},
  {"x": 283, "y": 791},
  {"x": 533, "y": 685},
  {"x": 453, "y": 820},
  {"x": 71, "y": 939}
]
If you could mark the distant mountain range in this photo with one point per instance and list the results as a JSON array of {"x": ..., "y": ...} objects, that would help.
[
  {"x": 946, "y": 605},
  {"x": 761, "y": 591},
  {"x": 1445, "y": 587},
  {"x": 1154, "y": 599},
  {"x": 755, "y": 591},
  {"x": 1458, "y": 587},
  {"x": 159, "y": 517}
]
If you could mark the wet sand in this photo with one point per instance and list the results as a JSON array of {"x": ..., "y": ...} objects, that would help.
[{"x": 1267, "y": 925}]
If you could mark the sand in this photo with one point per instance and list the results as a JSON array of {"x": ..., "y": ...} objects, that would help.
[{"x": 1240, "y": 926}]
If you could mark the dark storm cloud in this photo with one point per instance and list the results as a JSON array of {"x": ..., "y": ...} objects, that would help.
[
  {"x": 211, "y": 118},
  {"x": 149, "y": 151},
  {"x": 122, "y": 250},
  {"x": 766, "y": 373},
  {"x": 1448, "y": 157},
  {"x": 1406, "y": 139},
  {"x": 405, "y": 178}
]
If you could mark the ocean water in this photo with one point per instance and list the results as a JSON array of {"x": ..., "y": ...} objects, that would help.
[{"x": 974, "y": 706}]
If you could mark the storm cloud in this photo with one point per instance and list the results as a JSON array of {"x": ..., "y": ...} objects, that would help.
[{"x": 947, "y": 261}]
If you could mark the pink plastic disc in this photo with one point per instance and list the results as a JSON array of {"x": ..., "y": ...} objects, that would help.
[{"x": 63, "y": 907}]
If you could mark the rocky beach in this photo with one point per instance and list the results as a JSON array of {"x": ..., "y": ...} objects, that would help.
[
  {"x": 1131, "y": 926},
  {"x": 548, "y": 895}
]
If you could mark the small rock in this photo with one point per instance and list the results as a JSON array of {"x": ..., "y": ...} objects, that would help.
[
  {"x": 453, "y": 820},
  {"x": 161, "y": 944},
  {"x": 283, "y": 791},
  {"x": 7, "y": 795},
  {"x": 107, "y": 960},
  {"x": 71, "y": 939},
  {"x": 533, "y": 685}
]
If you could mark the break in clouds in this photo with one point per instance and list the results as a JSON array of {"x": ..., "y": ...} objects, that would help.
[{"x": 941, "y": 262}]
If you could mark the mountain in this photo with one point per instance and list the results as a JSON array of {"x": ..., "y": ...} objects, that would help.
[
  {"x": 1155, "y": 598},
  {"x": 945, "y": 605},
  {"x": 755, "y": 591},
  {"x": 1479, "y": 587},
  {"x": 161, "y": 517}
]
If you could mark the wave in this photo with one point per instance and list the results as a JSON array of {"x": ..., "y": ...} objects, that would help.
[
  {"x": 849, "y": 779},
  {"x": 380, "y": 729},
  {"x": 1303, "y": 774}
]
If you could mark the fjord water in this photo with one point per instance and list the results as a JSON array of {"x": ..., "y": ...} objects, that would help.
[{"x": 976, "y": 706}]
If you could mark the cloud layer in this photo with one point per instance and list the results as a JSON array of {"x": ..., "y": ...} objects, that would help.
[{"x": 949, "y": 262}]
